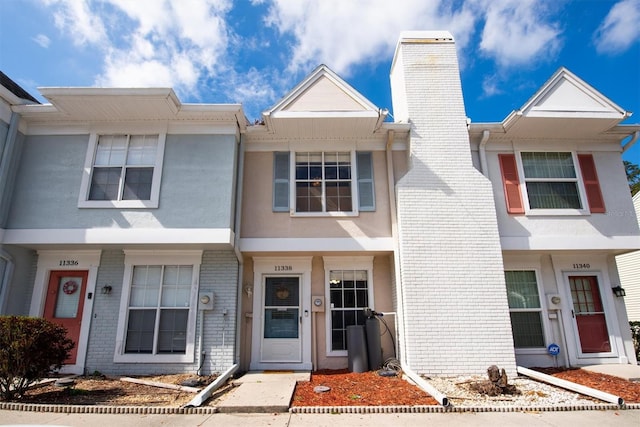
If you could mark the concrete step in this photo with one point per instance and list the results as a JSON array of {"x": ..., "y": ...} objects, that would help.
[{"x": 262, "y": 392}]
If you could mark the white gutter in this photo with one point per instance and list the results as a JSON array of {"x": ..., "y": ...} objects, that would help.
[
  {"x": 632, "y": 141},
  {"x": 419, "y": 381},
  {"x": 588, "y": 391},
  {"x": 208, "y": 390},
  {"x": 483, "y": 152}
]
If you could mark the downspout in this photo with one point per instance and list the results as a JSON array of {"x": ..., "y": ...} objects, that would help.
[
  {"x": 238, "y": 220},
  {"x": 483, "y": 152},
  {"x": 632, "y": 141},
  {"x": 419, "y": 381},
  {"x": 578, "y": 388}
]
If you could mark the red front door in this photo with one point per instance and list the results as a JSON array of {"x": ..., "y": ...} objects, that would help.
[
  {"x": 64, "y": 304},
  {"x": 589, "y": 314}
]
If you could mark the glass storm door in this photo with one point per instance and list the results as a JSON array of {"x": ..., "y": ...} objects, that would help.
[
  {"x": 64, "y": 304},
  {"x": 589, "y": 316},
  {"x": 281, "y": 341}
]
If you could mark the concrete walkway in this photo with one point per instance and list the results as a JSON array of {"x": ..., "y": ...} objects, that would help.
[
  {"x": 265, "y": 392},
  {"x": 628, "y": 372}
]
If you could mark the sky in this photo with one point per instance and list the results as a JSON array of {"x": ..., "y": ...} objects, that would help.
[{"x": 254, "y": 51}]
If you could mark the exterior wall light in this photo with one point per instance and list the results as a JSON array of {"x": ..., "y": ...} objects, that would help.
[{"x": 619, "y": 291}]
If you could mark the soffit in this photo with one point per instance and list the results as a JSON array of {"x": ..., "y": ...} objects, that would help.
[{"x": 119, "y": 105}]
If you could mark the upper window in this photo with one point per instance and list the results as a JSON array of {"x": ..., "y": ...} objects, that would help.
[
  {"x": 158, "y": 310},
  {"x": 551, "y": 183},
  {"x": 323, "y": 182},
  {"x": 525, "y": 309},
  {"x": 123, "y": 171}
]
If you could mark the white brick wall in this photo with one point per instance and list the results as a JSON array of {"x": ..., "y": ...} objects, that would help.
[
  {"x": 456, "y": 311},
  {"x": 218, "y": 273}
]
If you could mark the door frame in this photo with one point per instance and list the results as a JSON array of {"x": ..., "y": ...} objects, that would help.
[
  {"x": 272, "y": 267},
  {"x": 587, "y": 264},
  {"x": 72, "y": 260}
]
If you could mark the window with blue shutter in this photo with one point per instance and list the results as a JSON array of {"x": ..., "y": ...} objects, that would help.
[
  {"x": 366, "y": 190},
  {"x": 281, "y": 182}
]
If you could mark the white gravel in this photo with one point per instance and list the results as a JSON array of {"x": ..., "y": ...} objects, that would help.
[{"x": 533, "y": 393}]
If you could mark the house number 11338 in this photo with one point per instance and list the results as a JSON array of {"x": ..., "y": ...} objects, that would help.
[{"x": 581, "y": 266}]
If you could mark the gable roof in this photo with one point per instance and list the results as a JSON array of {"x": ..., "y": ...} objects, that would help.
[
  {"x": 323, "y": 105},
  {"x": 565, "y": 96}
]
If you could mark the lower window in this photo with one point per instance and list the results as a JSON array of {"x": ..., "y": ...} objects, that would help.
[
  {"x": 349, "y": 295},
  {"x": 525, "y": 309},
  {"x": 158, "y": 307}
]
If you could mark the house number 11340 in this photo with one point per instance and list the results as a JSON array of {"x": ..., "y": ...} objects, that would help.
[{"x": 581, "y": 266}]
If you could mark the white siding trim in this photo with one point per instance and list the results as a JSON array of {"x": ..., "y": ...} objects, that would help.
[
  {"x": 119, "y": 236},
  {"x": 569, "y": 242},
  {"x": 340, "y": 244}
]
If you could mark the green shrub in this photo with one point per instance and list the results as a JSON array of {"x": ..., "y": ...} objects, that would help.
[{"x": 30, "y": 347}]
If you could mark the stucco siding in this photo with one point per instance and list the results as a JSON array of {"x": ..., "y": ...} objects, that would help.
[
  {"x": 259, "y": 220},
  {"x": 618, "y": 220},
  {"x": 50, "y": 173}
]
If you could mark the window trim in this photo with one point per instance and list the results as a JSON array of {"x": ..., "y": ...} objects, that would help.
[
  {"x": 543, "y": 308},
  {"x": 164, "y": 258},
  {"x": 85, "y": 185},
  {"x": 584, "y": 210},
  {"x": 344, "y": 263},
  {"x": 355, "y": 197}
]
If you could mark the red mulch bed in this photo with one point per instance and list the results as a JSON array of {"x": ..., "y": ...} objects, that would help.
[
  {"x": 358, "y": 389},
  {"x": 628, "y": 390}
]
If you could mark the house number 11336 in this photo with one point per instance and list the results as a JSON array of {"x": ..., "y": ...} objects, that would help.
[
  {"x": 581, "y": 266},
  {"x": 66, "y": 262}
]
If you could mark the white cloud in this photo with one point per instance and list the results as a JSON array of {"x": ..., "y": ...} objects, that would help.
[
  {"x": 620, "y": 28},
  {"x": 75, "y": 16},
  {"x": 517, "y": 32},
  {"x": 343, "y": 34},
  {"x": 42, "y": 40},
  {"x": 148, "y": 42}
]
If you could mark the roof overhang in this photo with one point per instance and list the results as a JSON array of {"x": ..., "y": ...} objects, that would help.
[{"x": 125, "y": 105}]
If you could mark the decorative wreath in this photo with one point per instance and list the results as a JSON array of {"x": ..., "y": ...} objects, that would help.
[{"x": 69, "y": 287}]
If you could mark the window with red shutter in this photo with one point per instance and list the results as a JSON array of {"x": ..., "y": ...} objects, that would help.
[{"x": 591, "y": 183}]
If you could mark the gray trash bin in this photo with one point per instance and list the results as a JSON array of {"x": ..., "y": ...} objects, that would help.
[{"x": 357, "y": 349}]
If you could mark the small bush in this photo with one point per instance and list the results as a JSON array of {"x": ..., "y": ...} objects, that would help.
[{"x": 30, "y": 347}]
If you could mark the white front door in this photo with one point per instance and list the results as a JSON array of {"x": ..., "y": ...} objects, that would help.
[{"x": 281, "y": 320}]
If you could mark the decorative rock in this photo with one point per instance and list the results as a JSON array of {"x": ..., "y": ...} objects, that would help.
[{"x": 321, "y": 389}]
